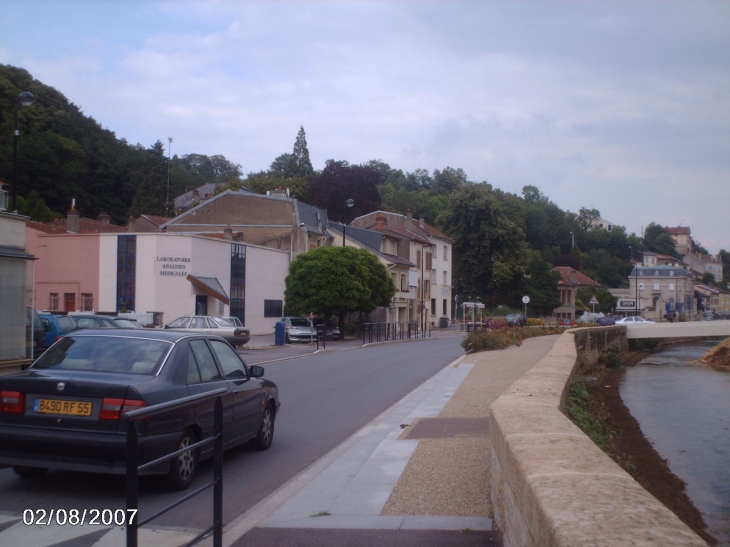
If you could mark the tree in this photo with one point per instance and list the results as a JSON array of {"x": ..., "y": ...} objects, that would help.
[
  {"x": 489, "y": 242},
  {"x": 35, "y": 208},
  {"x": 337, "y": 279},
  {"x": 152, "y": 184},
  {"x": 606, "y": 301},
  {"x": 448, "y": 180},
  {"x": 587, "y": 217},
  {"x": 340, "y": 181},
  {"x": 657, "y": 240},
  {"x": 541, "y": 284},
  {"x": 299, "y": 165}
]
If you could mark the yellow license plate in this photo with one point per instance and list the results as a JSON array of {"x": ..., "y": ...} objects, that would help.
[{"x": 66, "y": 408}]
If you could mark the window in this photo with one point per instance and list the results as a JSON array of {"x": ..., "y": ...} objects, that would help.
[
  {"x": 126, "y": 272},
  {"x": 53, "y": 302},
  {"x": 205, "y": 361},
  {"x": 656, "y": 286},
  {"x": 238, "y": 281},
  {"x": 434, "y": 251},
  {"x": 87, "y": 301},
  {"x": 446, "y": 252},
  {"x": 273, "y": 308},
  {"x": 231, "y": 364},
  {"x": 443, "y": 312},
  {"x": 433, "y": 306},
  {"x": 671, "y": 286},
  {"x": 445, "y": 282},
  {"x": 198, "y": 323}
]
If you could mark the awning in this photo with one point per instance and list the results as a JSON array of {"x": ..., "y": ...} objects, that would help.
[
  {"x": 210, "y": 286},
  {"x": 7, "y": 251}
]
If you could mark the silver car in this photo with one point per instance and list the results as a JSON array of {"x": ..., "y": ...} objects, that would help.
[
  {"x": 207, "y": 324},
  {"x": 299, "y": 329}
]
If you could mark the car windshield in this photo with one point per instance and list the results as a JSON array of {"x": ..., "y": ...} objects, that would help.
[
  {"x": 66, "y": 324},
  {"x": 105, "y": 354},
  {"x": 127, "y": 324},
  {"x": 299, "y": 322}
]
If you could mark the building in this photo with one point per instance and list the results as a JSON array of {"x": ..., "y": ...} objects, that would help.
[
  {"x": 429, "y": 280},
  {"x": 659, "y": 290},
  {"x": 16, "y": 265},
  {"x": 194, "y": 197},
  {"x": 682, "y": 238},
  {"x": 273, "y": 221},
  {"x": 169, "y": 275},
  {"x": 570, "y": 281},
  {"x": 701, "y": 264}
]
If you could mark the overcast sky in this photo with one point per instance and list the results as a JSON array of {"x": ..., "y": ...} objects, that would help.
[{"x": 622, "y": 107}]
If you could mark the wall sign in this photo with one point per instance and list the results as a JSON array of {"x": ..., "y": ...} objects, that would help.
[{"x": 173, "y": 265}]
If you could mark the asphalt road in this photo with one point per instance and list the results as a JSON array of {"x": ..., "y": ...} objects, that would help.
[{"x": 325, "y": 398}]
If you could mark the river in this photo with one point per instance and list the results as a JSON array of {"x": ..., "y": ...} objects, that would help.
[{"x": 684, "y": 411}]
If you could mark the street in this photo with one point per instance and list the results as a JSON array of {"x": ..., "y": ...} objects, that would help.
[{"x": 325, "y": 398}]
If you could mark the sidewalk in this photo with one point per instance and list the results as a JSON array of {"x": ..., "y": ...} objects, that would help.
[{"x": 418, "y": 475}]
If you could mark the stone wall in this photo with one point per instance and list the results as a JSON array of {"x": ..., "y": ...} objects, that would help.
[{"x": 551, "y": 485}]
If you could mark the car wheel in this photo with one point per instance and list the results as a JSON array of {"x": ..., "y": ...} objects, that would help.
[
  {"x": 265, "y": 435},
  {"x": 183, "y": 467},
  {"x": 30, "y": 472}
]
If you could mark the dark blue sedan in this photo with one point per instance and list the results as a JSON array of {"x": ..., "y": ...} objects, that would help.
[{"x": 67, "y": 411}]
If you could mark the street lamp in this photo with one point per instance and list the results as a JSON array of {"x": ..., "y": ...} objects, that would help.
[
  {"x": 572, "y": 241},
  {"x": 26, "y": 98},
  {"x": 350, "y": 203}
]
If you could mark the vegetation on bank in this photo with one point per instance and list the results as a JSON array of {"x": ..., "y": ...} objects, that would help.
[{"x": 490, "y": 340}]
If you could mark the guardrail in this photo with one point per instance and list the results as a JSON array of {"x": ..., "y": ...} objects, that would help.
[
  {"x": 386, "y": 332},
  {"x": 133, "y": 467}
]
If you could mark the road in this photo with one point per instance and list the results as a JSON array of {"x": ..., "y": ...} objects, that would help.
[{"x": 325, "y": 398}]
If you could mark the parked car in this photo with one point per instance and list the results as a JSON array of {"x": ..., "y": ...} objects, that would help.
[
  {"x": 89, "y": 321},
  {"x": 34, "y": 331},
  {"x": 67, "y": 410},
  {"x": 606, "y": 321},
  {"x": 333, "y": 332},
  {"x": 632, "y": 320},
  {"x": 516, "y": 320},
  {"x": 298, "y": 329},
  {"x": 56, "y": 326},
  {"x": 236, "y": 336}
]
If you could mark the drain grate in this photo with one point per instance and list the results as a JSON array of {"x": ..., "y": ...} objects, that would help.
[{"x": 445, "y": 428}]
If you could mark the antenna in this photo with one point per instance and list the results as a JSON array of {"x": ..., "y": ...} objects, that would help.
[{"x": 167, "y": 198}]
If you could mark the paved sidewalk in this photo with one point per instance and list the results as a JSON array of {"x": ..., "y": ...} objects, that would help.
[{"x": 418, "y": 475}]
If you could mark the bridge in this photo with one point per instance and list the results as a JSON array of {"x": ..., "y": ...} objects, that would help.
[{"x": 686, "y": 329}]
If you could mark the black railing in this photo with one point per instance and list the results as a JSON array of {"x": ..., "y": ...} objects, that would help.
[
  {"x": 133, "y": 467},
  {"x": 386, "y": 332}
]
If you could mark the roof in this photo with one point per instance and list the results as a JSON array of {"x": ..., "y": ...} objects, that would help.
[
  {"x": 210, "y": 286},
  {"x": 86, "y": 226},
  {"x": 572, "y": 277},
  {"x": 678, "y": 230},
  {"x": 157, "y": 221},
  {"x": 186, "y": 200},
  {"x": 662, "y": 270},
  {"x": 371, "y": 239},
  {"x": 8, "y": 251}
]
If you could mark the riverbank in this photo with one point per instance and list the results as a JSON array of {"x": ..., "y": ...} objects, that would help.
[{"x": 622, "y": 440}]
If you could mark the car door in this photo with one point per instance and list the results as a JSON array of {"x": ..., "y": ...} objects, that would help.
[
  {"x": 248, "y": 396},
  {"x": 204, "y": 375}
]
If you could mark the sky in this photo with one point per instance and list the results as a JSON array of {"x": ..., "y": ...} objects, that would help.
[{"x": 622, "y": 107}]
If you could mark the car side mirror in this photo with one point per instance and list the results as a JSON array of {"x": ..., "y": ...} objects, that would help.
[{"x": 256, "y": 371}]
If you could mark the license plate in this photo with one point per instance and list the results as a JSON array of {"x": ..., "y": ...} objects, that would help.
[{"x": 65, "y": 408}]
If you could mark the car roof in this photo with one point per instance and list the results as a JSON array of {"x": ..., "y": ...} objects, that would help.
[{"x": 167, "y": 335}]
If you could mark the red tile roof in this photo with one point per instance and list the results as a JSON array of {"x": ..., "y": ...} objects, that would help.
[
  {"x": 86, "y": 226},
  {"x": 678, "y": 230},
  {"x": 571, "y": 276}
]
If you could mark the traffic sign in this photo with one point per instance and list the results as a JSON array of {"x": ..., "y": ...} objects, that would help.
[{"x": 593, "y": 301}]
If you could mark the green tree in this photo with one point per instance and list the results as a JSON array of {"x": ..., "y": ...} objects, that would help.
[
  {"x": 587, "y": 217},
  {"x": 448, "y": 180},
  {"x": 606, "y": 301},
  {"x": 657, "y": 240},
  {"x": 151, "y": 184},
  {"x": 299, "y": 165},
  {"x": 489, "y": 250},
  {"x": 337, "y": 279},
  {"x": 541, "y": 285},
  {"x": 34, "y": 207}
]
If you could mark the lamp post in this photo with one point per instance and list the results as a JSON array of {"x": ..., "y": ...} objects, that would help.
[
  {"x": 572, "y": 241},
  {"x": 350, "y": 203},
  {"x": 167, "y": 197},
  {"x": 26, "y": 98}
]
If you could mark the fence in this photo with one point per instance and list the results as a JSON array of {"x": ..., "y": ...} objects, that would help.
[
  {"x": 386, "y": 332},
  {"x": 133, "y": 467}
]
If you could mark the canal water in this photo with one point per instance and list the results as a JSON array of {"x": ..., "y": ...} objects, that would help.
[{"x": 684, "y": 411}]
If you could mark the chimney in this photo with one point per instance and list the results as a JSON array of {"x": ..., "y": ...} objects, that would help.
[
  {"x": 72, "y": 219},
  {"x": 130, "y": 224},
  {"x": 409, "y": 215},
  {"x": 422, "y": 222},
  {"x": 105, "y": 218},
  {"x": 381, "y": 221},
  {"x": 228, "y": 233}
]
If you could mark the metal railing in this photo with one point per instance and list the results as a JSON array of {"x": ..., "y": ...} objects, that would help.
[
  {"x": 386, "y": 332},
  {"x": 133, "y": 467}
]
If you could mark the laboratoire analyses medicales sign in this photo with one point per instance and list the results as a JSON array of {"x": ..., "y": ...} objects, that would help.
[{"x": 173, "y": 265}]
